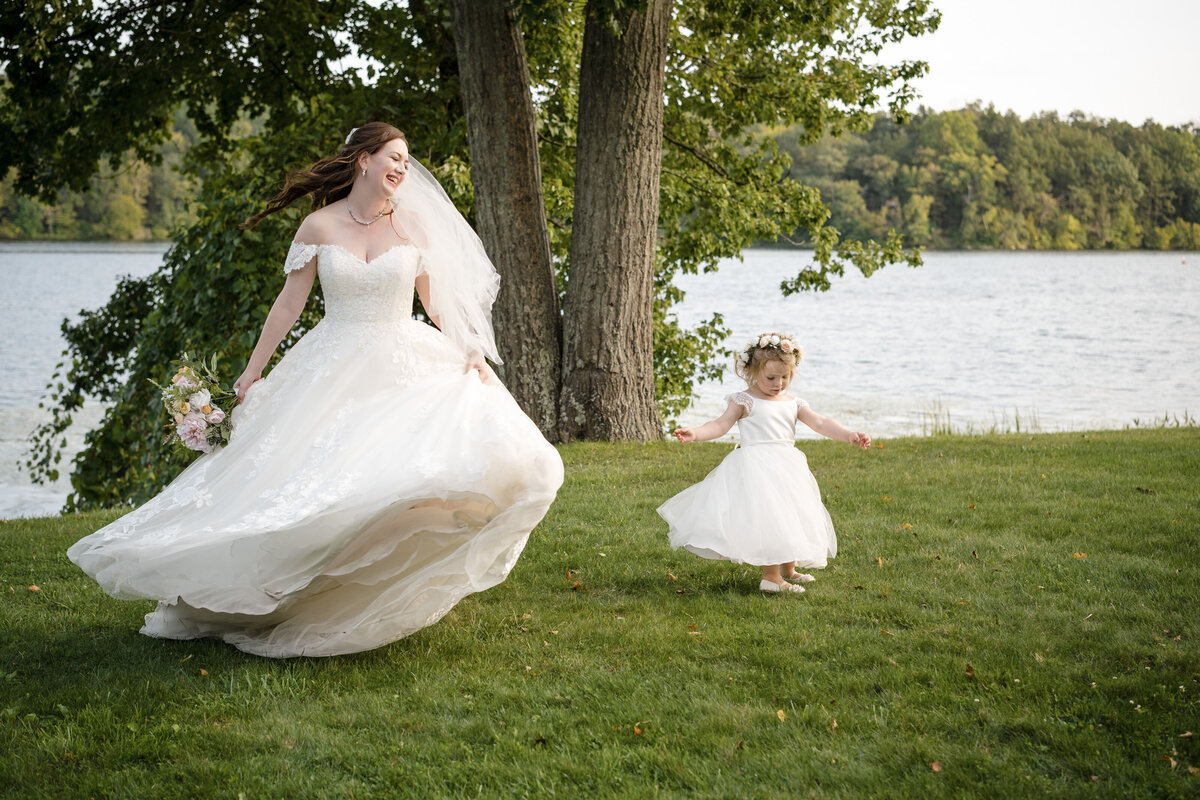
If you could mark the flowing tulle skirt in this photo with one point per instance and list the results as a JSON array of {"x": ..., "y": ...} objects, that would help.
[
  {"x": 761, "y": 505},
  {"x": 368, "y": 487}
]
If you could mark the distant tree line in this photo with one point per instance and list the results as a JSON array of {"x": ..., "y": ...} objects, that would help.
[
  {"x": 134, "y": 200},
  {"x": 980, "y": 178},
  {"x": 965, "y": 179}
]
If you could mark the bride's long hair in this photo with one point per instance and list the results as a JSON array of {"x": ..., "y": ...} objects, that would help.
[{"x": 330, "y": 179}]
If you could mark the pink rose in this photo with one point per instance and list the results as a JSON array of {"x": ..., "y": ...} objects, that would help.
[
  {"x": 192, "y": 431},
  {"x": 216, "y": 417}
]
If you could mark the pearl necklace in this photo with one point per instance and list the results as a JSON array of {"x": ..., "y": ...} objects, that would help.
[{"x": 359, "y": 221}]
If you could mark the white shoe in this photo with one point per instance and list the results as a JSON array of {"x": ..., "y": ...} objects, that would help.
[
  {"x": 770, "y": 587},
  {"x": 800, "y": 577}
]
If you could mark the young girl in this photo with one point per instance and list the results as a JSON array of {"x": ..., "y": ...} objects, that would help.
[{"x": 761, "y": 505}]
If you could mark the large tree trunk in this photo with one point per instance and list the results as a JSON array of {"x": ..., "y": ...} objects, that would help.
[
  {"x": 509, "y": 209},
  {"x": 608, "y": 358}
]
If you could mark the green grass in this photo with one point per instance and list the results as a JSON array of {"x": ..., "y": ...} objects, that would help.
[{"x": 981, "y": 638}]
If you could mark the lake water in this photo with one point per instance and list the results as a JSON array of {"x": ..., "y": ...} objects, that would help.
[{"x": 981, "y": 341}]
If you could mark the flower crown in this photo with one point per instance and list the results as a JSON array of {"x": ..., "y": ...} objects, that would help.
[{"x": 768, "y": 341}]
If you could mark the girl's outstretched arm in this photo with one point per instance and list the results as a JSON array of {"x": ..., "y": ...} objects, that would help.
[
  {"x": 714, "y": 428},
  {"x": 832, "y": 428}
]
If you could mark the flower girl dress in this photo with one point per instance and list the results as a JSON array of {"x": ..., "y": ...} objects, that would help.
[
  {"x": 368, "y": 484},
  {"x": 761, "y": 504}
]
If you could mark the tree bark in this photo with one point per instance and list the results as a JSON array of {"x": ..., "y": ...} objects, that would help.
[
  {"x": 608, "y": 358},
  {"x": 509, "y": 210}
]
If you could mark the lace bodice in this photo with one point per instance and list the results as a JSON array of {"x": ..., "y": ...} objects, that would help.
[
  {"x": 767, "y": 421},
  {"x": 357, "y": 291}
]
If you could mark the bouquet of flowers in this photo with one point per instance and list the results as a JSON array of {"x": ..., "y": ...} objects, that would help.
[{"x": 198, "y": 405}]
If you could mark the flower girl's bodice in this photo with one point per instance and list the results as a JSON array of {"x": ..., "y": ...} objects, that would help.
[
  {"x": 362, "y": 292},
  {"x": 767, "y": 421}
]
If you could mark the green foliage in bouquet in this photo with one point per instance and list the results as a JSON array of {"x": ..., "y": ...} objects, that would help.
[{"x": 197, "y": 407}]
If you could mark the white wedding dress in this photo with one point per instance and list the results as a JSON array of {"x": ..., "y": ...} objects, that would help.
[
  {"x": 368, "y": 486},
  {"x": 761, "y": 505}
]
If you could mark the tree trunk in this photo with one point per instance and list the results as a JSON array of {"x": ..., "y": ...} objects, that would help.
[
  {"x": 608, "y": 358},
  {"x": 509, "y": 210}
]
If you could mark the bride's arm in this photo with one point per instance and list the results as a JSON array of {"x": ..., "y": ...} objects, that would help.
[
  {"x": 283, "y": 315},
  {"x": 475, "y": 359}
]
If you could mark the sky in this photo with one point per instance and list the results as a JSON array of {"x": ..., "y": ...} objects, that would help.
[{"x": 1113, "y": 59}]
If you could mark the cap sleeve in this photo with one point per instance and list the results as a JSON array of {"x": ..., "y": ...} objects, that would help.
[
  {"x": 742, "y": 399},
  {"x": 801, "y": 403},
  {"x": 298, "y": 255}
]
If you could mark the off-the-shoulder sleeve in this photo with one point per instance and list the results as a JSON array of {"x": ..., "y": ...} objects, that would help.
[
  {"x": 742, "y": 399},
  {"x": 298, "y": 255}
]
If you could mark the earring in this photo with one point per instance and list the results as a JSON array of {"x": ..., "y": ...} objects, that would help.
[{"x": 364, "y": 172}]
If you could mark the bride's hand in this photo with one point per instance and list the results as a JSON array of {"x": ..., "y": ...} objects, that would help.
[
  {"x": 475, "y": 361},
  {"x": 243, "y": 384}
]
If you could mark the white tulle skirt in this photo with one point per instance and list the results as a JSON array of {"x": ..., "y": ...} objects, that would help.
[
  {"x": 761, "y": 505},
  {"x": 369, "y": 486}
]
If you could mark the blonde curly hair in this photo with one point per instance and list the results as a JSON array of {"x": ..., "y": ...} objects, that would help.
[{"x": 767, "y": 347}]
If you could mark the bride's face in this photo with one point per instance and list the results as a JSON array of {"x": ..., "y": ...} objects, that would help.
[{"x": 388, "y": 166}]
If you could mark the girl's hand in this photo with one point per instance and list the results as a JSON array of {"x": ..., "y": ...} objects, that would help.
[
  {"x": 243, "y": 384},
  {"x": 684, "y": 434},
  {"x": 476, "y": 361},
  {"x": 859, "y": 439}
]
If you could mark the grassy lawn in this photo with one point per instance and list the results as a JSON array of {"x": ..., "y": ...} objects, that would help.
[{"x": 1008, "y": 616}]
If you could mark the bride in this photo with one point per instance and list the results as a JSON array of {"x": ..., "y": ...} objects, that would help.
[{"x": 381, "y": 472}]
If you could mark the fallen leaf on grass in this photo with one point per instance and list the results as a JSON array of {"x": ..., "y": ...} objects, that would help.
[
  {"x": 887, "y": 632},
  {"x": 671, "y": 577},
  {"x": 880, "y": 445},
  {"x": 637, "y": 729},
  {"x": 576, "y": 585},
  {"x": 780, "y": 714},
  {"x": 1038, "y": 658},
  {"x": 879, "y": 560},
  {"x": 1144, "y": 490},
  {"x": 1079, "y": 555},
  {"x": 1174, "y": 763},
  {"x": 893, "y": 662},
  {"x": 1185, "y": 735},
  {"x": 972, "y": 506},
  {"x": 693, "y": 627},
  {"x": 886, "y": 499},
  {"x": 203, "y": 671},
  {"x": 970, "y": 671},
  {"x": 1193, "y": 770},
  {"x": 33, "y": 589},
  {"x": 936, "y": 766},
  {"x": 906, "y": 526}
]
